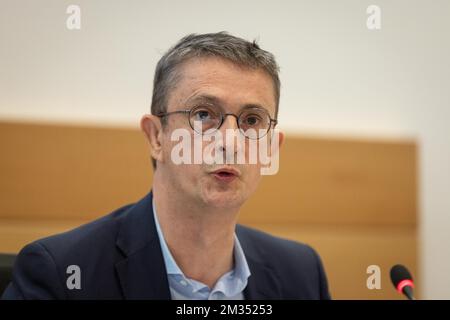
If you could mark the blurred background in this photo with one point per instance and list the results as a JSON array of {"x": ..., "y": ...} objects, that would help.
[{"x": 364, "y": 174}]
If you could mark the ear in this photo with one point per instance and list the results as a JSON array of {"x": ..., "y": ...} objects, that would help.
[
  {"x": 151, "y": 126},
  {"x": 280, "y": 139},
  {"x": 280, "y": 135}
]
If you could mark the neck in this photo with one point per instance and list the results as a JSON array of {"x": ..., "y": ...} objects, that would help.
[{"x": 200, "y": 238}]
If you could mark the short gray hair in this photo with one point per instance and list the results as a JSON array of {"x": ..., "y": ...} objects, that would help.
[{"x": 220, "y": 44}]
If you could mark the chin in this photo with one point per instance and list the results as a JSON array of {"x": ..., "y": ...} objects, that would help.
[{"x": 224, "y": 199}]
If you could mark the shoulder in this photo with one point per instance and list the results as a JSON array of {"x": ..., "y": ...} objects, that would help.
[
  {"x": 263, "y": 244},
  {"x": 90, "y": 237},
  {"x": 41, "y": 267}
]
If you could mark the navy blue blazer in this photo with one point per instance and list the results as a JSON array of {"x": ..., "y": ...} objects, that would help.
[{"x": 120, "y": 257}]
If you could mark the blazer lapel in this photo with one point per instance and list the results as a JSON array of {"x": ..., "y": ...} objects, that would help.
[
  {"x": 262, "y": 284},
  {"x": 142, "y": 273}
]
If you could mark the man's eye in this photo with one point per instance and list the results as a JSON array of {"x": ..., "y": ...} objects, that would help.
[
  {"x": 252, "y": 120},
  {"x": 204, "y": 115}
]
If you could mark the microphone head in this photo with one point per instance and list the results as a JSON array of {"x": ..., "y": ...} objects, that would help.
[{"x": 401, "y": 277}]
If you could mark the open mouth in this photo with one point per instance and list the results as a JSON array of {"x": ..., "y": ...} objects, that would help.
[{"x": 225, "y": 175}]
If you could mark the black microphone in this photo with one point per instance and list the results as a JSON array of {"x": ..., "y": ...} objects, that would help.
[{"x": 402, "y": 280}]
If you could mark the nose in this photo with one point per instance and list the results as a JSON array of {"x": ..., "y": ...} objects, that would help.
[
  {"x": 233, "y": 140},
  {"x": 230, "y": 121}
]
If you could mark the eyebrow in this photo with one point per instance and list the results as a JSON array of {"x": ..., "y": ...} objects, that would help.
[{"x": 205, "y": 98}]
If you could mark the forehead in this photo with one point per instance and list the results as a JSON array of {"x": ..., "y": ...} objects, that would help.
[{"x": 229, "y": 84}]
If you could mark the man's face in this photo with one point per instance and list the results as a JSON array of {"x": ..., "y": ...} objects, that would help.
[{"x": 230, "y": 88}]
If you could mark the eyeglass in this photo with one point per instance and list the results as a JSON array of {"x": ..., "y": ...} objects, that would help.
[{"x": 253, "y": 122}]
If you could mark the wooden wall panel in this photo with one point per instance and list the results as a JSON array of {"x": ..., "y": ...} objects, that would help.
[
  {"x": 70, "y": 172},
  {"x": 352, "y": 200},
  {"x": 339, "y": 182}
]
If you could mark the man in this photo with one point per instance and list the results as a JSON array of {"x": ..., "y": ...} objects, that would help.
[{"x": 182, "y": 240}]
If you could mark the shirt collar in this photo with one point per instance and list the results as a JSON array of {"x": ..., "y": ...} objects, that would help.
[{"x": 240, "y": 273}]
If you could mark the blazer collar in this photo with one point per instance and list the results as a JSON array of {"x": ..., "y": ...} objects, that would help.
[{"x": 142, "y": 273}]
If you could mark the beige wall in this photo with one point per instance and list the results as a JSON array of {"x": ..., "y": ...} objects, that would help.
[{"x": 339, "y": 79}]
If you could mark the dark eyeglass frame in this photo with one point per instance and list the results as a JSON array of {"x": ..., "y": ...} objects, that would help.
[{"x": 222, "y": 119}]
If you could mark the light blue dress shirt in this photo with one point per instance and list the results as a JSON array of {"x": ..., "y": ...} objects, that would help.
[{"x": 229, "y": 287}]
